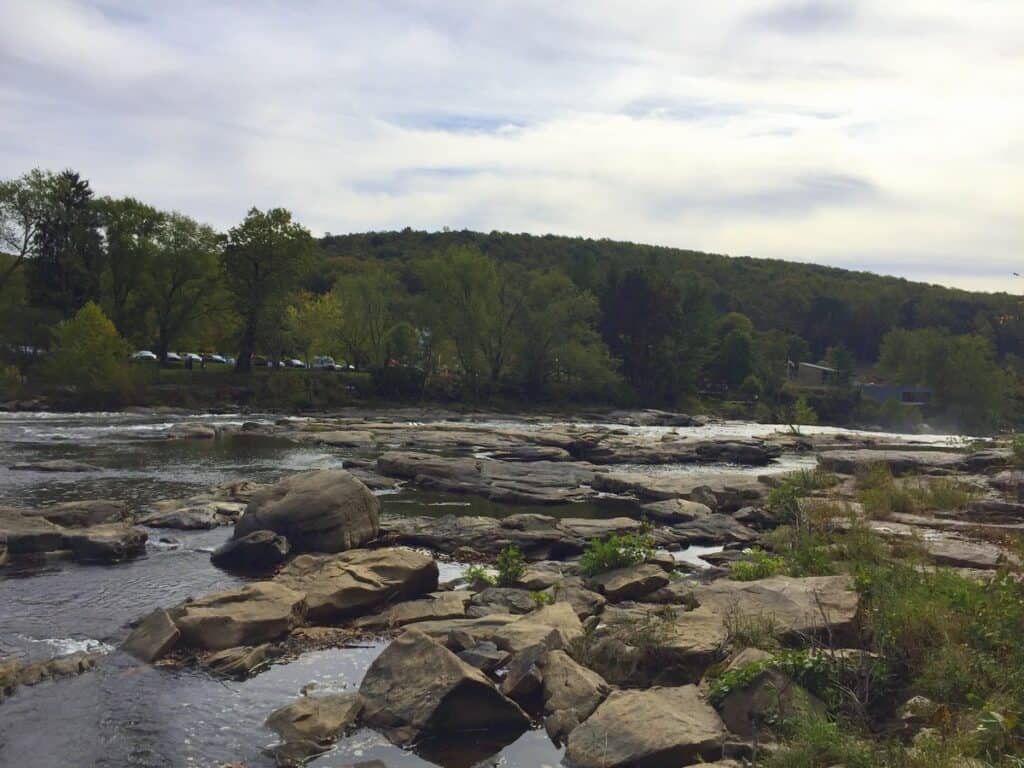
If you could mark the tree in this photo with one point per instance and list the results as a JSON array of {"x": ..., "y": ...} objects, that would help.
[
  {"x": 264, "y": 257},
  {"x": 22, "y": 201},
  {"x": 476, "y": 302},
  {"x": 839, "y": 357},
  {"x": 66, "y": 268},
  {"x": 370, "y": 315},
  {"x": 129, "y": 229},
  {"x": 181, "y": 285},
  {"x": 556, "y": 337},
  {"x": 314, "y": 323},
  {"x": 89, "y": 354}
]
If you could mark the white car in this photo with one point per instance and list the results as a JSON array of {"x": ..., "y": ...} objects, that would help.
[
  {"x": 214, "y": 358},
  {"x": 186, "y": 356},
  {"x": 325, "y": 363},
  {"x": 294, "y": 363},
  {"x": 144, "y": 354},
  {"x": 173, "y": 357}
]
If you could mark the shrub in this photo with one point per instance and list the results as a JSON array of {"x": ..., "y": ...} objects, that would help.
[
  {"x": 511, "y": 566},
  {"x": 616, "y": 552},
  {"x": 757, "y": 564},
  {"x": 477, "y": 574},
  {"x": 1017, "y": 446},
  {"x": 815, "y": 742},
  {"x": 880, "y": 494},
  {"x": 10, "y": 382}
]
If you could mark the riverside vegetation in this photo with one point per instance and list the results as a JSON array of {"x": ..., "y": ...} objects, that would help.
[{"x": 469, "y": 317}]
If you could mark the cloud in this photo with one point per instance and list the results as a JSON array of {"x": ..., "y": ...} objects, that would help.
[{"x": 863, "y": 134}]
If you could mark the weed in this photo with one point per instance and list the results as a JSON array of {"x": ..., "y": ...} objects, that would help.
[
  {"x": 616, "y": 552},
  {"x": 477, "y": 575},
  {"x": 540, "y": 599},
  {"x": 747, "y": 630},
  {"x": 511, "y": 566},
  {"x": 757, "y": 564}
]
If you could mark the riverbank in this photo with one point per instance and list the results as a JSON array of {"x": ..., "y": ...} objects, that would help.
[{"x": 653, "y": 558}]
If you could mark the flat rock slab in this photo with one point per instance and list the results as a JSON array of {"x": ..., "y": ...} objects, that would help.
[
  {"x": 435, "y": 607},
  {"x": 553, "y": 625},
  {"x": 320, "y": 719},
  {"x": 258, "y": 613},
  {"x": 630, "y": 583},
  {"x": 657, "y": 728},
  {"x": 721, "y": 491},
  {"x": 80, "y": 514},
  {"x": 899, "y": 462}
]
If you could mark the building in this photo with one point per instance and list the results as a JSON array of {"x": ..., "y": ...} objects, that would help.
[
  {"x": 811, "y": 375},
  {"x": 882, "y": 393}
]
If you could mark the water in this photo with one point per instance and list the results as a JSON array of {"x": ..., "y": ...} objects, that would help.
[{"x": 128, "y": 714}]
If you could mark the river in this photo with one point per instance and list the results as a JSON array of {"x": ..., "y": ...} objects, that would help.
[{"x": 127, "y": 714}]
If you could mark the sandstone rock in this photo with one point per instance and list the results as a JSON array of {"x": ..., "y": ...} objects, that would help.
[
  {"x": 436, "y": 606},
  {"x": 417, "y": 688},
  {"x": 256, "y": 551},
  {"x": 192, "y": 430},
  {"x": 584, "y": 601},
  {"x": 721, "y": 491},
  {"x": 107, "y": 543},
  {"x": 770, "y": 698},
  {"x": 53, "y": 669},
  {"x": 630, "y": 583},
  {"x": 353, "y": 583},
  {"x": 657, "y": 728},
  {"x": 319, "y": 719},
  {"x": 80, "y": 514},
  {"x": 535, "y": 628},
  {"x": 900, "y": 462},
  {"x": 242, "y": 662},
  {"x": 153, "y": 637},
  {"x": 676, "y": 510},
  {"x": 260, "y": 612},
  {"x": 485, "y": 656},
  {"x": 460, "y": 634},
  {"x": 27, "y": 535},
  {"x": 523, "y": 679},
  {"x": 570, "y": 693},
  {"x": 10, "y": 674},
  {"x": 317, "y": 511},
  {"x": 501, "y": 599},
  {"x": 192, "y": 514}
]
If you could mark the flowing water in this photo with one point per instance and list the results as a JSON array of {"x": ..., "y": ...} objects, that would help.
[{"x": 128, "y": 714}]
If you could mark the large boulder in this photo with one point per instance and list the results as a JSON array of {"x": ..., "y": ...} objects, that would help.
[
  {"x": 417, "y": 688},
  {"x": 109, "y": 543},
  {"x": 26, "y": 535},
  {"x": 769, "y": 699},
  {"x": 353, "y": 583},
  {"x": 538, "y": 627},
  {"x": 630, "y": 583},
  {"x": 571, "y": 693},
  {"x": 318, "y": 511},
  {"x": 258, "y": 613},
  {"x": 153, "y": 637},
  {"x": 657, "y": 728},
  {"x": 256, "y": 551}
]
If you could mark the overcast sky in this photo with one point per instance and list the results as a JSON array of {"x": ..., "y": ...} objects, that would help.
[{"x": 885, "y": 134}]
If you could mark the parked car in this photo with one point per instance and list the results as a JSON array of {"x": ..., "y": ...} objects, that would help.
[
  {"x": 143, "y": 354},
  {"x": 294, "y": 363},
  {"x": 325, "y": 363},
  {"x": 173, "y": 357},
  {"x": 195, "y": 358},
  {"x": 214, "y": 358},
  {"x": 229, "y": 360}
]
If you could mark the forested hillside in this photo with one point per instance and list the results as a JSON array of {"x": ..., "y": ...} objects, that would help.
[{"x": 471, "y": 317}]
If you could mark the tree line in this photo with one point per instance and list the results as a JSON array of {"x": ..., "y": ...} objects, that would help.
[{"x": 482, "y": 316}]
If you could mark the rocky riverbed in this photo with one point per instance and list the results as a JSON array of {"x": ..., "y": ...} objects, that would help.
[{"x": 183, "y": 589}]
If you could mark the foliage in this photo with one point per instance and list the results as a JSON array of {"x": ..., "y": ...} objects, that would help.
[
  {"x": 616, "y": 552},
  {"x": 814, "y": 670},
  {"x": 540, "y": 599},
  {"x": 1017, "y": 448},
  {"x": 801, "y": 414},
  {"x": 22, "y": 205},
  {"x": 511, "y": 566},
  {"x": 757, "y": 564},
  {"x": 264, "y": 257},
  {"x": 882, "y": 495},
  {"x": 477, "y": 574},
  {"x": 11, "y": 382},
  {"x": 750, "y": 630},
  {"x": 816, "y": 742},
  {"x": 90, "y": 356}
]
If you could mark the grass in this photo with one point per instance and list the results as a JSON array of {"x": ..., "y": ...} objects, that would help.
[
  {"x": 882, "y": 496},
  {"x": 616, "y": 552},
  {"x": 757, "y": 564}
]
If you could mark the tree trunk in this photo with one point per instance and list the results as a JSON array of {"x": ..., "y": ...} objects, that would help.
[{"x": 244, "y": 362}]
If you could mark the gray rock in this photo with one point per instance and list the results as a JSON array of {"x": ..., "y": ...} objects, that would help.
[
  {"x": 243, "y": 662},
  {"x": 153, "y": 637},
  {"x": 258, "y": 613},
  {"x": 257, "y": 551},
  {"x": 318, "y": 511},
  {"x": 630, "y": 583},
  {"x": 676, "y": 510},
  {"x": 485, "y": 656},
  {"x": 436, "y": 606},
  {"x": 109, "y": 543},
  {"x": 80, "y": 514},
  {"x": 570, "y": 693}
]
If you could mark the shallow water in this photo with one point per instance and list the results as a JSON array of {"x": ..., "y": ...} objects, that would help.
[{"x": 127, "y": 714}]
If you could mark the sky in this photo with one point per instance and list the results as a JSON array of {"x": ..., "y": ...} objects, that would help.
[{"x": 869, "y": 134}]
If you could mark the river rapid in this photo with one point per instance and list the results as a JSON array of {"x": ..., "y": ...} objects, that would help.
[{"x": 129, "y": 714}]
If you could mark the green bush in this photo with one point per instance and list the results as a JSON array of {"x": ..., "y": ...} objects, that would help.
[
  {"x": 477, "y": 575},
  {"x": 757, "y": 564},
  {"x": 11, "y": 382},
  {"x": 511, "y": 566},
  {"x": 616, "y": 552},
  {"x": 815, "y": 742}
]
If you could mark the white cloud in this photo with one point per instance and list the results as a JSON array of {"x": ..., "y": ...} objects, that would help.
[{"x": 866, "y": 134}]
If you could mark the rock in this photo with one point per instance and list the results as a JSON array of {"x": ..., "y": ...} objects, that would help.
[
  {"x": 570, "y": 693},
  {"x": 767, "y": 700},
  {"x": 319, "y": 719},
  {"x": 242, "y": 662},
  {"x": 417, "y": 688},
  {"x": 26, "y": 535},
  {"x": 192, "y": 514},
  {"x": 10, "y": 675},
  {"x": 630, "y": 583},
  {"x": 485, "y": 656},
  {"x": 436, "y": 606},
  {"x": 598, "y": 529},
  {"x": 55, "y": 465},
  {"x": 676, "y": 510},
  {"x": 258, "y": 613},
  {"x": 544, "y": 538},
  {"x": 192, "y": 430},
  {"x": 256, "y": 551},
  {"x": 501, "y": 600},
  {"x": 900, "y": 462},
  {"x": 571, "y": 590},
  {"x": 513, "y": 482},
  {"x": 720, "y": 491},
  {"x": 153, "y": 637},
  {"x": 535, "y": 628},
  {"x": 353, "y": 583},
  {"x": 460, "y": 634},
  {"x": 109, "y": 543},
  {"x": 657, "y": 728},
  {"x": 63, "y": 666},
  {"x": 318, "y": 511},
  {"x": 713, "y": 529},
  {"x": 796, "y": 606},
  {"x": 80, "y": 514},
  {"x": 523, "y": 679}
]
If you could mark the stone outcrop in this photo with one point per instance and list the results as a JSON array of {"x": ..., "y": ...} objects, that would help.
[
  {"x": 350, "y": 584},
  {"x": 722, "y": 491},
  {"x": 258, "y": 613},
  {"x": 153, "y": 637},
  {"x": 32, "y": 534},
  {"x": 318, "y": 511},
  {"x": 419, "y": 689},
  {"x": 900, "y": 462},
  {"x": 538, "y": 627},
  {"x": 570, "y": 693},
  {"x": 318, "y": 720},
  {"x": 630, "y": 583},
  {"x": 657, "y": 728}
]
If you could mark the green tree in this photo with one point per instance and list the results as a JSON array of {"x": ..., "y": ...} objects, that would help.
[
  {"x": 840, "y": 358},
  {"x": 181, "y": 285},
  {"x": 129, "y": 236},
  {"x": 66, "y": 267},
  {"x": 264, "y": 257},
  {"x": 314, "y": 324},
  {"x": 22, "y": 203},
  {"x": 89, "y": 354},
  {"x": 371, "y": 312}
]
